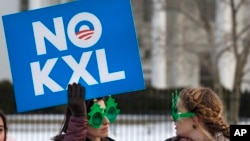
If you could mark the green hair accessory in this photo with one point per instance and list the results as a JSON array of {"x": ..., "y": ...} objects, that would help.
[{"x": 175, "y": 114}]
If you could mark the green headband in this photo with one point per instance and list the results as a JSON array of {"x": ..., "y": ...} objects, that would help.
[{"x": 175, "y": 114}]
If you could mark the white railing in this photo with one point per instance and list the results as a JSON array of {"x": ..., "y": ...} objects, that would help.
[{"x": 127, "y": 127}]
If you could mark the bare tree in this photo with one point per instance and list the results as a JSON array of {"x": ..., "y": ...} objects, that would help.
[
  {"x": 236, "y": 42},
  {"x": 241, "y": 54},
  {"x": 23, "y": 5}
]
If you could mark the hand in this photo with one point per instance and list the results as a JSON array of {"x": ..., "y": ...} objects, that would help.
[{"x": 76, "y": 101}]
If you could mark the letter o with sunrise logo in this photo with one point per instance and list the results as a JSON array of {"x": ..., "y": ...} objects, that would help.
[{"x": 84, "y": 30}]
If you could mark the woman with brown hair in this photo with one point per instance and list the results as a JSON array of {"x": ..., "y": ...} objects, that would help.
[
  {"x": 197, "y": 114},
  {"x": 87, "y": 120},
  {"x": 3, "y": 126}
]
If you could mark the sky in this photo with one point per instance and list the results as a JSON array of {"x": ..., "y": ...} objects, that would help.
[{"x": 6, "y": 7}]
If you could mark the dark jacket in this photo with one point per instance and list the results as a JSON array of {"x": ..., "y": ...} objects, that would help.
[
  {"x": 218, "y": 137},
  {"x": 178, "y": 139},
  {"x": 77, "y": 131}
]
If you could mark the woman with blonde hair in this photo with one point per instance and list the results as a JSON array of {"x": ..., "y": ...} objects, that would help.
[{"x": 198, "y": 116}]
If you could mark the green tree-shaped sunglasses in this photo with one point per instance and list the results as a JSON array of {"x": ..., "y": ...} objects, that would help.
[
  {"x": 96, "y": 114},
  {"x": 175, "y": 114}
]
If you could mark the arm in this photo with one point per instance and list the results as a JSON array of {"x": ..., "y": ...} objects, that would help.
[
  {"x": 77, "y": 126},
  {"x": 77, "y": 129}
]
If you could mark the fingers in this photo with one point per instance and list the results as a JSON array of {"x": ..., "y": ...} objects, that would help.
[
  {"x": 69, "y": 90},
  {"x": 75, "y": 90},
  {"x": 75, "y": 98},
  {"x": 79, "y": 90}
]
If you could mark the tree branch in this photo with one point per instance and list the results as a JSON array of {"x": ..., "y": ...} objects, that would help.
[
  {"x": 239, "y": 5},
  {"x": 188, "y": 16},
  {"x": 243, "y": 31},
  {"x": 223, "y": 51},
  {"x": 245, "y": 52},
  {"x": 203, "y": 12},
  {"x": 234, "y": 29}
]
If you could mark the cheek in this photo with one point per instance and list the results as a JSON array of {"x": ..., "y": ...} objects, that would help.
[
  {"x": 92, "y": 131},
  {"x": 183, "y": 127},
  {"x": 2, "y": 136},
  {"x": 96, "y": 132},
  {"x": 180, "y": 121},
  {"x": 183, "y": 124}
]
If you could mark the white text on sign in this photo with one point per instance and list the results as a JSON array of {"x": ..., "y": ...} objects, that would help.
[{"x": 41, "y": 75}]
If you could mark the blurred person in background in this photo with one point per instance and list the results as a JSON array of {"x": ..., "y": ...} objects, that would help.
[
  {"x": 3, "y": 126},
  {"x": 86, "y": 120},
  {"x": 197, "y": 114}
]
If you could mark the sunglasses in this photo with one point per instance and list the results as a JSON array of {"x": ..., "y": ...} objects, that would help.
[
  {"x": 175, "y": 114},
  {"x": 97, "y": 114}
]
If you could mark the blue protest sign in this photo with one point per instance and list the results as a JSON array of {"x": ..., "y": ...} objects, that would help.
[{"x": 89, "y": 41}]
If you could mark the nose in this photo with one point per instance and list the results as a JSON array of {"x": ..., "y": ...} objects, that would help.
[
  {"x": 105, "y": 120},
  {"x": 171, "y": 119}
]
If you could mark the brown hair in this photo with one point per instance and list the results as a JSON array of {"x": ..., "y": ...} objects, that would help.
[
  {"x": 207, "y": 106},
  {"x": 2, "y": 115}
]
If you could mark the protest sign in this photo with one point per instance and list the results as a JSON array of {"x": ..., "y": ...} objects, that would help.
[{"x": 91, "y": 42}]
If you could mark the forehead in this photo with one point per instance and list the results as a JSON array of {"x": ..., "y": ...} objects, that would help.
[
  {"x": 101, "y": 103},
  {"x": 180, "y": 106},
  {"x": 1, "y": 122}
]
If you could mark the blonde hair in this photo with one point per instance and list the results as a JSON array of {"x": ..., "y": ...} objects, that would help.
[{"x": 208, "y": 107}]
